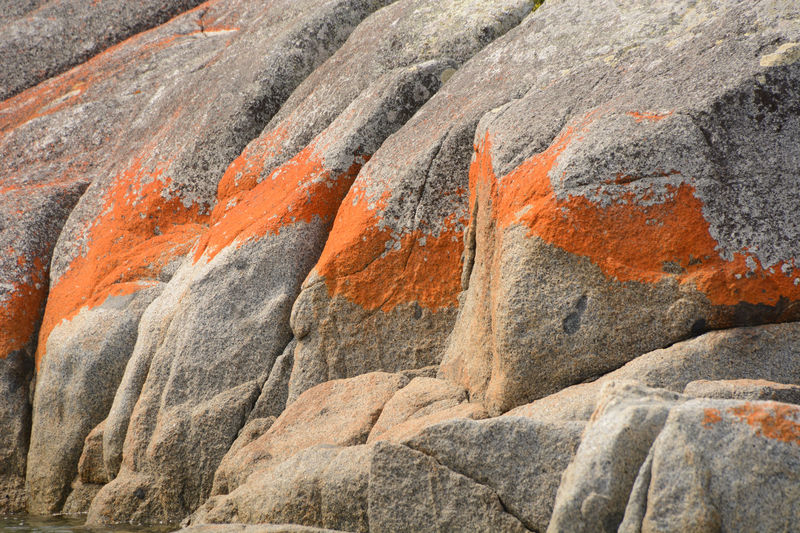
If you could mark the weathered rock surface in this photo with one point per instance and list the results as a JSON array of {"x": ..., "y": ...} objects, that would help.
[
  {"x": 641, "y": 192},
  {"x": 40, "y": 43},
  {"x": 338, "y": 412},
  {"x": 744, "y": 389},
  {"x": 421, "y": 397},
  {"x": 596, "y": 485},
  {"x": 278, "y": 261},
  {"x": 117, "y": 242},
  {"x": 765, "y": 352},
  {"x": 520, "y": 460},
  {"x": 722, "y": 465},
  {"x": 382, "y": 296}
]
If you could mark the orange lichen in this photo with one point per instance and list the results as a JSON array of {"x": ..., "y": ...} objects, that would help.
[
  {"x": 711, "y": 416},
  {"x": 635, "y": 237},
  {"x": 646, "y": 115},
  {"x": 243, "y": 174},
  {"x": 68, "y": 89},
  {"x": 140, "y": 229},
  {"x": 19, "y": 314},
  {"x": 772, "y": 420},
  {"x": 376, "y": 269},
  {"x": 298, "y": 190}
]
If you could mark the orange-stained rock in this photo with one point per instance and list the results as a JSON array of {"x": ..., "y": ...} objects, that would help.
[
  {"x": 603, "y": 224},
  {"x": 41, "y": 41},
  {"x": 716, "y": 464},
  {"x": 384, "y": 292},
  {"x": 177, "y": 119}
]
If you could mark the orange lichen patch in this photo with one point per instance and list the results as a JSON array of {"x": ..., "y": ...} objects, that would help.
[
  {"x": 772, "y": 420},
  {"x": 645, "y": 115},
  {"x": 139, "y": 231},
  {"x": 711, "y": 416},
  {"x": 298, "y": 190},
  {"x": 19, "y": 313},
  {"x": 68, "y": 88},
  {"x": 645, "y": 237},
  {"x": 243, "y": 173},
  {"x": 379, "y": 270}
]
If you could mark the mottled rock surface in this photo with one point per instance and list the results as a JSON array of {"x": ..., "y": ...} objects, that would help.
[
  {"x": 286, "y": 261},
  {"x": 765, "y": 352},
  {"x": 721, "y": 465},
  {"x": 641, "y": 192}
]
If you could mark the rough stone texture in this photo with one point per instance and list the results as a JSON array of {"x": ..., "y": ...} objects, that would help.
[
  {"x": 764, "y": 352},
  {"x": 383, "y": 294},
  {"x": 148, "y": 208},
  {"x": 723, "y": 465},
  {"x": 275, "y": 391},
  {"x": 91, "y": 468},
  {"x": 141, "y": 496},
  {"x": 410, "y": 491},
  {"x": 744, "y": 389},
  {"x": 15, "y": 419},
  {"x": 338, "y": 412},
  {"x": 642, "y": 191},
  {"x": 322, "y": 485},
  {"x": 414, "y": 425},
  {"x": 80, "y": 498},
  {"x": 60, "y": 34},
  {"x": 421, "y": 397},
  {"x": 519, "y": 459},
  {"x": 75, "y": 387},
  {"x": 595, "y": 487},
  {"x": 261, "y": 528}
]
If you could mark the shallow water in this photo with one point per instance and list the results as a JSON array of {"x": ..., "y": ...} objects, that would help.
[{"x": 62, "y": 524}]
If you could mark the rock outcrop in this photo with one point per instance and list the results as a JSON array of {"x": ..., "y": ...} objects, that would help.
[{"x": 401, "y": 265}]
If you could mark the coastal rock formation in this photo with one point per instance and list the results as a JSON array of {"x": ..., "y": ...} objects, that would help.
[{"x": 401, "y": 265}]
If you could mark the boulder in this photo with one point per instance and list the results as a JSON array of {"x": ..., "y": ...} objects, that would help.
[
  {"x": 640, "y": 193},
  {"x": 596, "y": 485},
  {"x": 338, "y": 413},
  {"x": 744, "y": 389},
  {"x": 144, "y": 213},
  {"x": 322, "y": 485},
  {"x": 519, "y": 459},
  {"x": 383, "y": 294},
  {"x": 410, "y": 491},
  {"x": 763, "y": 352},
  {"x": 721, "y": 465},
  {"x": 39, "y": 41},
  {"x": 91, "y": 468},
  {"x": 421, "y": 397}
]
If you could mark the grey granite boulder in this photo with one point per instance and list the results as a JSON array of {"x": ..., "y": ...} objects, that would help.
[
  {"x": 764, "y": 352},
  {"x": 597, "y": 483},
  {"x": 721, "y": 465},
  {"x": 40, "y": 43},
  {"x": 520, "y": 460}
]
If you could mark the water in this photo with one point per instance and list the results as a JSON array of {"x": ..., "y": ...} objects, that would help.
[{"x": 62, "y": 524}]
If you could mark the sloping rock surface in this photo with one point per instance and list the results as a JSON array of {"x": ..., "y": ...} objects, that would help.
[{"x": 286, "y": 261}]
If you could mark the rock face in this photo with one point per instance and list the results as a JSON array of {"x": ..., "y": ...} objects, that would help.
[
  {"x": 619, "y": 205},
  {"x": 288, "y": 261}
]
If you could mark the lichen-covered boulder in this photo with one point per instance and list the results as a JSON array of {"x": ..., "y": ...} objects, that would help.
[
  {"x": 641, "y": 192},
  {"x": 132, "y": 227},
  {"x": 721, "y": 465},
  {"x": 383, "y": 294}
]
